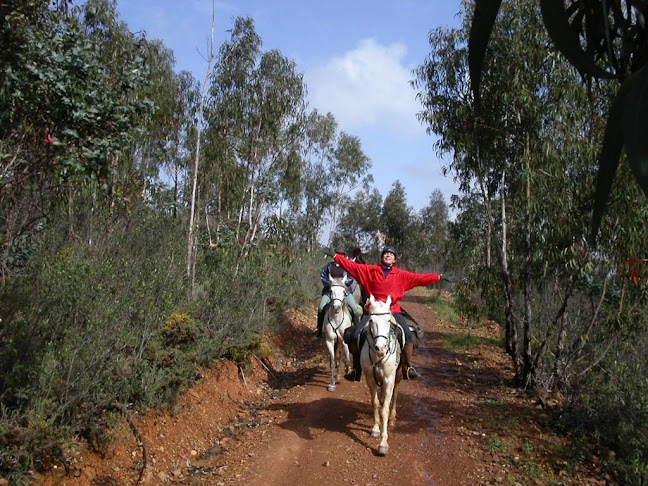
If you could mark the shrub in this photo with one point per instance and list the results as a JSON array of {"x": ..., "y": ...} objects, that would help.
[{"x": 88, "y": 326}]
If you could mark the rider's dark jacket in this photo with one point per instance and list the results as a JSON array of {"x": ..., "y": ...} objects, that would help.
[{"x": 336, "y": 271}]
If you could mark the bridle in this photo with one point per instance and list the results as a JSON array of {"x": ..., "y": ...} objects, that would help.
[
  {"x": 335, "y": 329},
  {"x": 391, "y": 343}
]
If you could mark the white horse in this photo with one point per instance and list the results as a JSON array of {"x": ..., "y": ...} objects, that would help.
[
  {"x": 336, "y": 320},
  {"x": 380, "y": 361},
  {"x": 356, "y": 290}
]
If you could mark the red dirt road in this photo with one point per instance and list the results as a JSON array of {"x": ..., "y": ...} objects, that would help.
[
  {"x": 275, "y": 423},
  {"x": 321, "y": 437}
]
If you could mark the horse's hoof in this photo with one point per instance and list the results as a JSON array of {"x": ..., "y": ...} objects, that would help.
[
  {"x": 383, "y": 450},
  {"x": 331, "y": 388},
  {"x": 375, "y": 433}
]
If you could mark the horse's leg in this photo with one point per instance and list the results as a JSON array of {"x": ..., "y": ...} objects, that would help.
[
  {"x": 331, "y": 349},
  {"x": 392, "y": 412},
  {"x": 338, "y": 358},
  {"x": 347, "y": 357},
  {"x": 385, "y": 405},
  {"x": 375, "y": 404}
]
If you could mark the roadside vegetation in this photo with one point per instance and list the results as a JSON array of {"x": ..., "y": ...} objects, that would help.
[{"x": 152, "y": 224}]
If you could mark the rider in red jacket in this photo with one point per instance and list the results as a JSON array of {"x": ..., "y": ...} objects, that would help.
[{"x": 381, "y": 281}]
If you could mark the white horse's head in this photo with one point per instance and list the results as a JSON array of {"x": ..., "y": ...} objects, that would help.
[
  {"x": 338, "y": 293},
  {"x": 380, "y": 325}
]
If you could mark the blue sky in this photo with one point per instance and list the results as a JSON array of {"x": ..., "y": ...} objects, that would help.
[{"x": 356, "y": 57}]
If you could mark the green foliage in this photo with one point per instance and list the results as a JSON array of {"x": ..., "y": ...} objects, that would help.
[
  {"x": 67, "y": 114},
  {"x": 444, "y": 308},
  {"x": 93, "y": 325},
  {"x": 396, "y": 218},
  {"x": 467, "y": 341},
  {"x": 589, "y": 34},
  {"x": 496, "y": 444}
]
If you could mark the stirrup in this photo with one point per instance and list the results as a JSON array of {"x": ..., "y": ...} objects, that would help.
[{"x": 411, "y": 373}]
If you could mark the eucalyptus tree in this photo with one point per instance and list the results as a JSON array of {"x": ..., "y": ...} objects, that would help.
[
  {"x": 467, "y": 248},
  {"x": 481, "y": 149},
  {"x": 603, "y": 40},
  {"x": 179, "y": 140},
  {"x": 360, "y": 220},
  {"x": 67, "y": 115},
  {"x": 318, "y": 152},
  {"x": 272, "y": 134},
  {"x": 428, "y": 238},
  {"x": 163, "y": 134},
  {"x": 223, "y": 183},
  {"x": 254, "y": 134},
  {"x": 535, "y": 132},
  {"x": 347, "y": 171},
  {"x": 396, "y": 219}
]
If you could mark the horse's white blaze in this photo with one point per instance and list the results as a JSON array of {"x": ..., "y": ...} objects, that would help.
[
  {"x": 336, "y": 320},
  {"x": 380, "y": 358}
]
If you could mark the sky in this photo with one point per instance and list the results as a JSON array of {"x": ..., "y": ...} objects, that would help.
[{"x": 356, "y": 57}]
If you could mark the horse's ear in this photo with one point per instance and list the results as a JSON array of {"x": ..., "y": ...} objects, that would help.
[
  {"x": 372, "y": 299},
  {"x": 389, "y": 301}
]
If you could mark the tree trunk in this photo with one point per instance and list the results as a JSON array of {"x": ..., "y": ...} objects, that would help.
[
  {"x": 527, "y": 373},
  {"x": 511, "y": 328},
  {"x": 191, "y": 243}
]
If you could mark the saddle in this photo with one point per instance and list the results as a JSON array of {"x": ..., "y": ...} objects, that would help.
[
  {"x": 413, "y": 325},
  {"x": 416, "y": 331},
  {"x": 395, "y": 327}
]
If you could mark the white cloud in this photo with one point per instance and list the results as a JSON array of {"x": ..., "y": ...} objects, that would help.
[{"x": 367, "y": 86}]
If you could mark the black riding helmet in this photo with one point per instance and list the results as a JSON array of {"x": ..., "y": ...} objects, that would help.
[{"x": 388, "y": 249}]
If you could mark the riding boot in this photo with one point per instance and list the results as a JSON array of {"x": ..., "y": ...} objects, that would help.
[
  {"x": 355, "y": 356},
  {"x": 357, "y": 369},
  {"x": 320, "y": 323},
  {"x": 409, "y": 373}
]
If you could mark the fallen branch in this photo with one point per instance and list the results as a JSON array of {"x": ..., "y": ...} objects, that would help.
[
  {"x": 263, "y": 364},
  {"x": 243, "y": 376},
  {"x": 140, "y": 442}
]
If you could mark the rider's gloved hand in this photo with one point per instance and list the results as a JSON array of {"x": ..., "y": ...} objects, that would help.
[
  {"x": 448, "y": 278},
  {"x": 331, "y": 252}
]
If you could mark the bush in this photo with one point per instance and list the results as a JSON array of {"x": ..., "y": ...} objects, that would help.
[{"x": 89, "y": 326}]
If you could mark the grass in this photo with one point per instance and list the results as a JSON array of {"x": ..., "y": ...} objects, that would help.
[
  {"x": 444, "y": 308},
  {"x": 466, "y": 341},
  {"x": 496, "y": 444}
]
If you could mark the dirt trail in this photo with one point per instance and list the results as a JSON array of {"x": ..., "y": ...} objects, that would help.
[{"x": 277, "y": 424}]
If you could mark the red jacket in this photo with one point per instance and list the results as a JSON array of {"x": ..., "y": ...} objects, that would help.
[{"x": 372, "y": 278}]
